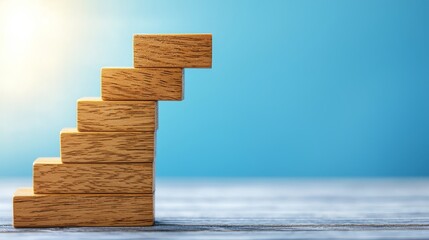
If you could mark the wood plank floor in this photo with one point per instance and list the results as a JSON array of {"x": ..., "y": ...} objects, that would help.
[{"x": 262, "y": 209}]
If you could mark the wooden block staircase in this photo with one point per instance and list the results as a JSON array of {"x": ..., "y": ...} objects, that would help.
[{"x": 106, "y": 173}]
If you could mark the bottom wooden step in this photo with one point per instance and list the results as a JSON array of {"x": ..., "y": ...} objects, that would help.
[{"x": 81, "y": 210}]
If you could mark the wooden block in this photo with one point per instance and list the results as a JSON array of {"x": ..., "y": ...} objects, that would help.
[
  {"x": 50, "y": 175},
  {"x": 141, "y": 84},
  {"x": 95, "y": 115},
  {"x": 173, "y": 50},
  {"x": 81, "y": 210},
  {"x": 106, "y": 147}
]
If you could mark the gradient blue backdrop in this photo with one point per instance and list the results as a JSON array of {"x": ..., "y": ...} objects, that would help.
[{"x": 297, "y": 88}]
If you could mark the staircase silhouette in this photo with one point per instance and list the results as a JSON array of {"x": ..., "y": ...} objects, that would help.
[{"x": 105, "y": 175}]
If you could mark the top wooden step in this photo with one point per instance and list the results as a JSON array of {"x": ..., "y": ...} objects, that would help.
[{"x": 173, "y": 50}]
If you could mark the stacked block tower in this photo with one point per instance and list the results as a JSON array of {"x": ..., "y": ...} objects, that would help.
[{"x": 105, "y": 175}]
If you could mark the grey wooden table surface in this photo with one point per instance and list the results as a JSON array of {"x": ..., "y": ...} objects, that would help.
[{"x": 262, "y": 209}]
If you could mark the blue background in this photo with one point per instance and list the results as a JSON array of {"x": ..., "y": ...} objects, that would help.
[{"x": 297, "y": 88}]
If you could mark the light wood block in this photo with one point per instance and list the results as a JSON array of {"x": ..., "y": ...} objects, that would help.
[
  {"x": 95, "y": 115},
  {"x": 106, "y": 147},
  {"x": 81, "y": 210},
  {"x": 50, "y": 175},
  {"x": 173, "y": 50},
  {"x": 142, "y": 84}
]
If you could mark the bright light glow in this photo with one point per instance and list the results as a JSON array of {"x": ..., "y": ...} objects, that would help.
[
  {"x": 30, "y": 45},
  {"x": 20, "y": 25}
]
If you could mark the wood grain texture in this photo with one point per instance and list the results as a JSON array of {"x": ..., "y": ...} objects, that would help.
[
  {"x": 261, "y": 208},
  {"x": 95, "y": 115},
  {"x": 142, "y": 84},
  {"x": 59, "y": 210},
  {"x": 50, "y": 175},
  {"x": 173, "y": 50},
  {"x": 106, "y": 147}
]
